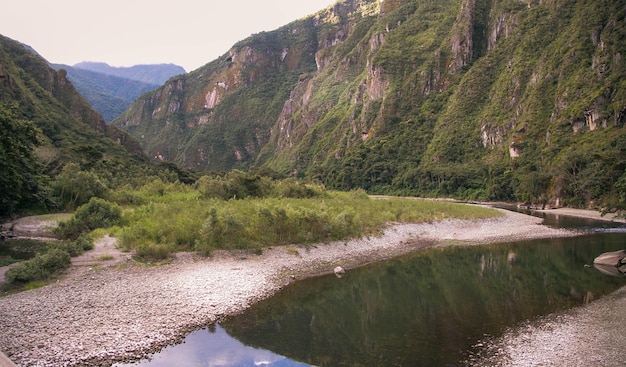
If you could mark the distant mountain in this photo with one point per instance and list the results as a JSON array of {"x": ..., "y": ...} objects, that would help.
[
  {"x": 65, "y": 126},
  {"x": 150, "y": 74},
  {"x": 48, "y": 99},
  {"x": 111, "y": 90},
  {"x": 108, "y": 94},
  {"x": 479, "y": 99}
]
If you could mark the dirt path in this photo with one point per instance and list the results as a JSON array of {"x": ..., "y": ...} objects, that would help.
[{"x": 105, "y": 252}]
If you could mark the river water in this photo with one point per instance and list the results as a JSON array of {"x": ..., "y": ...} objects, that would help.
[{"x": 431, "y": 308}]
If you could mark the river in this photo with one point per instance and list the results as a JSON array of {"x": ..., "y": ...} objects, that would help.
[{"x": 433, "y": 308}]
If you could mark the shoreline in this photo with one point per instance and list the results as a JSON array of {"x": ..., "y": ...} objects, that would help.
[
  {"x": 584, "y": 213},
  {"x": 103, "y": 315}
]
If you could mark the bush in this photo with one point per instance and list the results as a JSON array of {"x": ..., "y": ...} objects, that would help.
[
  {"x": 41, "y": 267},
  {"x": 78, "y": 247},
  {"x": 74, "y": 187},
  {"x": 291, "y": 188},
  {"x": 97, "y": 213},
  {"x": 152, "y": 253},
  {"x": 234, "y": 185},
  {"x": 215, "y": 187}
]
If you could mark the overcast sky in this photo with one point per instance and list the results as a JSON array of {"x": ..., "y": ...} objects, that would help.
[{"x": 189, "y": 33}]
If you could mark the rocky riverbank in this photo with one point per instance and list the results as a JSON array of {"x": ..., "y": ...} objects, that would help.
[{"x": 100, "y": 315}]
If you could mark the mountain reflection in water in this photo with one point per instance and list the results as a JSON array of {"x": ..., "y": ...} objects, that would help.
[{"x": 427, "y": 309}]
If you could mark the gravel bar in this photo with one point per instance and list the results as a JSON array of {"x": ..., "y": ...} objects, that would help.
[{"x": 104, "y": 315}]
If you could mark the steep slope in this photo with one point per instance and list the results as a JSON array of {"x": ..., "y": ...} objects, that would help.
[
  {"x": 108, "y": 94},
  {"x": 489, "y": 99},
  {"x": 70, "y": 130},
  {"x": 220, "y": 116}
]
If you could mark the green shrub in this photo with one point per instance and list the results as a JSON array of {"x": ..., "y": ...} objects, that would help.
[
  {"x": 78, "y": 247},
  {"x": 205, "y": 225},
  {"x": 41, "y": 267},
  {"x": 291, "y": 188},
  {"x": 7, "y": 260},
  {"x": 125, "y": 197},
  {"x": 152, "y": 253},
  {"x": 97, "y": 213},
  {"x": 214, "y": 187},
  {"x": 74, "y": 187}
]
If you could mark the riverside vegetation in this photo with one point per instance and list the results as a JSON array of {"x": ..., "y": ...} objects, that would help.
[
  {"x": 237, "y": 210},
  {"x": 367, "y": 101},
  {"x": 495, "y": 100}
]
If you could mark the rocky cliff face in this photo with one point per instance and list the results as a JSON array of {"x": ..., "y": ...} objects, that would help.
[{"x": 405, "y": 95}]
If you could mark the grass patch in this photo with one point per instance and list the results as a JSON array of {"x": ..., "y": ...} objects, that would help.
[
  {"x": 158, "y": 228},
  {"x": 34, "y": 285},
  {"x": 105, "y": 257},
  {"x": 291, "y": 250},
  {"x": 153, "y": 253},
  {"x": 39, "y": 268}
]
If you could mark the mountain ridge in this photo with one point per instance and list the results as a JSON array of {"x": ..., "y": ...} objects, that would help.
[
  {"x": 111, "y": 90},
  {"x": 46, "y": 125},
  {"x": 156, "y": 74},
  {"x": 487, "y": 99}
]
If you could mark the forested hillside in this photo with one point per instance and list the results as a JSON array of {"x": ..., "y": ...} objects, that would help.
[
  {"x": 111, "y": 90},
  {"x": 496, "y": 100},
  {"x": 56, "y": 152},
  {"x": 481, "y": 99},
  {"x": 108, "y": 94}
]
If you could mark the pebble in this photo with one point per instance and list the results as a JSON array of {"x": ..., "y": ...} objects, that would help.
[{"x": 121, "y": 314}]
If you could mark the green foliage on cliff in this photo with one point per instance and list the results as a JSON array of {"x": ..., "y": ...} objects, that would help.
[
  {"x": 56, "y": 152},
  {"x": 492, "y": 100},
  {"x": 20, "y": 181},
  {"x": 111, "y": 90}
]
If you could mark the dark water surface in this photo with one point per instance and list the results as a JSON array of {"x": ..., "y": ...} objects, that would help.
[
  {"x": 426, "y": 309},
  {"x": 15, "y": 250}
]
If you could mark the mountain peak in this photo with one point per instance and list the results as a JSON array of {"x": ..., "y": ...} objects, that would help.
[{"x": 146, "y": 73}]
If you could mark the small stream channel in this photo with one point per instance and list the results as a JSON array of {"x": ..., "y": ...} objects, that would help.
[{"x": 430, "y": 308}]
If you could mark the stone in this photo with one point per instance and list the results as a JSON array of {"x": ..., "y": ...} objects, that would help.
[{"x": 339, "y": 271}]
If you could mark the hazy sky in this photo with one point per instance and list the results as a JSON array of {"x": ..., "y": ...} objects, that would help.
[{"x": 189, "y": 33}]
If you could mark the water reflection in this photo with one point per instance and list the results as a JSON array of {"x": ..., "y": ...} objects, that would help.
[
  {"x": 427, "y": 309},
  {"x": 214, "y": 347},
  {"x": 20, "y": 249},
  {"x": 555, "y": 220}
]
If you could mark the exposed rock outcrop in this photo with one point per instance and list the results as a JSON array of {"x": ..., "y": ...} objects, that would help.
[{"x": 462, "y": 43}]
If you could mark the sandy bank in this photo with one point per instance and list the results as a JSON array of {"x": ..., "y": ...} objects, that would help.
[
  {"x": 583, "y": 213},
  {"x": 108, "y": 314}
]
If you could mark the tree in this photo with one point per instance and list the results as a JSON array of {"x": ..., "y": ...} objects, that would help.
[
  {"x": 75, "y": 187},
  {"x": 20, "y": 178},
  {"x": 97, "y": 213},
  {"x": 621, "y": 190}
]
